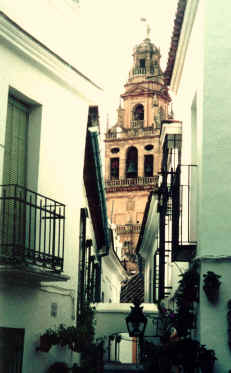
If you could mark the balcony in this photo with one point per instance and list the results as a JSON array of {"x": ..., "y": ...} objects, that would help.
[
  {"x": 177, "y": 206},
  {"x": 141, "y": 182},
  {"x": 137, "y": 123},
  {"x": 32, "y": 235},
  {"x": 135, "y": 131},
  {"x": 139, "y": 71},
  {"x": 128, "y": 228}
]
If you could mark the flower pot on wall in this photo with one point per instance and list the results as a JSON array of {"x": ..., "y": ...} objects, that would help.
[{"x": 211, "y": 286}]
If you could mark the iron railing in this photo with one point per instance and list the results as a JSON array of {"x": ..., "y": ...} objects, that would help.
[
  {"x": 141, "y": 180},
  {"x": 139, "y": 71},
  {"x": 32, "y": 228},
  {"x": 89, "y": 269},
  {"x": 161, "y": 287},
  {"x": 182, "y": 193},
  {"x": 135, "y": 131},
  {"x": 128, "y": 228},
  {"x": 137, "y": 123}
]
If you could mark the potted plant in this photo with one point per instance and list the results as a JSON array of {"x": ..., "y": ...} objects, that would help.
[
  {"x": 206, "y": 359},
  {"x": 211, "y": 286},
  {"x": 68, "y": 336},
  {"x": 47, "y": 340},
  {"x": 187, "y": 291}
]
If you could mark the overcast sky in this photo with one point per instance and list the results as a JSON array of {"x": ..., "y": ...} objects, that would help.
[{"x": 111, "y": 28}]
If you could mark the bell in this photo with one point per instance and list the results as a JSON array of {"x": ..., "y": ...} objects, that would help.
[
  {"x": 131, "y": 168},
  {"x": 148, "y": 168}
]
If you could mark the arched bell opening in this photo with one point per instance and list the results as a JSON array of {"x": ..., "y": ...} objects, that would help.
[
  {"x": 132, "y": 163},
  {"x": 138, "y": 112}
]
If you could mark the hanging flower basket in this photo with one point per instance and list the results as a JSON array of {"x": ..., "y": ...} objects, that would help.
[{"x": 211, "y": 286}]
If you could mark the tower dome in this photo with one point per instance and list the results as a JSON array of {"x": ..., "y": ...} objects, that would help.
[
  {"x": 146, "y": 62},
  {"x": 145, "y": 46}
]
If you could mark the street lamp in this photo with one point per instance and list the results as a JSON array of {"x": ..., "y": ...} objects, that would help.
[{"x": 136, "y": 321}]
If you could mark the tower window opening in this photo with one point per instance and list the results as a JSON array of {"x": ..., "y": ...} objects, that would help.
[
  {"x": 138, "y": 113},
  {"x": 115, "y": 150},
  {"x": 132, "y": 163},
  {"x": 142, "y": 63},
  {"x": 114, "y": 168},
  {"x": 148, "y": 165},
  {"x": 148, "y": 147}
]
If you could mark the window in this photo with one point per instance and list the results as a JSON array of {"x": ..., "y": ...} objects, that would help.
[
  {"x": 148, "y": 165},
  {"x": 114, "y": 168},
  {"x": 115, "y": 150},
  {"x": 148, "y": 147},
  {"x": 138, "y": 112},
  {"x": 15, "y": 172},
  {"x": 132, "y": 163},
  {"x": 15, "y": 159},
  {"x": 11, "y": 349},
  {"x": 142, "y": 63},
  {"x": 22, "y": 138}
]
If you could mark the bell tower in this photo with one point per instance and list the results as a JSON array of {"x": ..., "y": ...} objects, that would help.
[{"x": 133, "y": 159}]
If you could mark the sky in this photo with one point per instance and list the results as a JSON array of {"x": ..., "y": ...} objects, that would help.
[
  {"x": 98, "y": 36},
  {"x": 111, "y": 29}
]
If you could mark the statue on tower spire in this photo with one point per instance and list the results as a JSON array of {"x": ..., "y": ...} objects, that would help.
[{"x": 148, "y": 28}]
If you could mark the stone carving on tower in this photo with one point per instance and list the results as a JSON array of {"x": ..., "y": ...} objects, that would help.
[{"x": 132, "y": 149}]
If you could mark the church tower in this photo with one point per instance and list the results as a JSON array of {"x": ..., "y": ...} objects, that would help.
[{"x": 133, "y": 159}]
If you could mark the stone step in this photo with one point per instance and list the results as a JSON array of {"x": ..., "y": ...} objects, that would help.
[{"x": 116, "y": 367}]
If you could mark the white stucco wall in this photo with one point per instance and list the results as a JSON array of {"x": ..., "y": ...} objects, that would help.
[
  {"x": 55, "y": 168},
  {"x": 214, "y": 229},
  {"x": 213, "y": 323},
  {"x": 113, "y": 274},
  {"x": 30, "y": 308},
  {"x": 203, "y": 104}
]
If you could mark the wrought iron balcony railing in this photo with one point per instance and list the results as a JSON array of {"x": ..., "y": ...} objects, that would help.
[
  {"x": 32, "y": 228},
  {"x": 128, "y": 228},
  {"x": 152, "y": 180}
]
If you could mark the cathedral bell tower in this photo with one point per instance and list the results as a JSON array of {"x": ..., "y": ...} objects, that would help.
[{"x": 132, "y": 159}]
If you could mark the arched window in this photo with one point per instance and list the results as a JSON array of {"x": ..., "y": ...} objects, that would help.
[
  {"x": 132, "y": 163},
  {"x": 138, "y": 112},
  {"x": 148, "y": 165}
]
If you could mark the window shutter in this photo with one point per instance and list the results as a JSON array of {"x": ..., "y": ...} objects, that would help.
[
  {"x": 15, "y": 164},
  {"x": 14, "y": 172}
]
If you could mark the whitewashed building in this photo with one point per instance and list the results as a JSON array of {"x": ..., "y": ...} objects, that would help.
[
  {"x": 44, "y": 108},
  {"x": 201, "y": 85},
  {"x": 100, "y": 269},
  {"x": 199, "y": 228}
]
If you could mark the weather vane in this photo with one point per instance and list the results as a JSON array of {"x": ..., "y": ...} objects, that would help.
[{"x": 148, "y": 29}]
